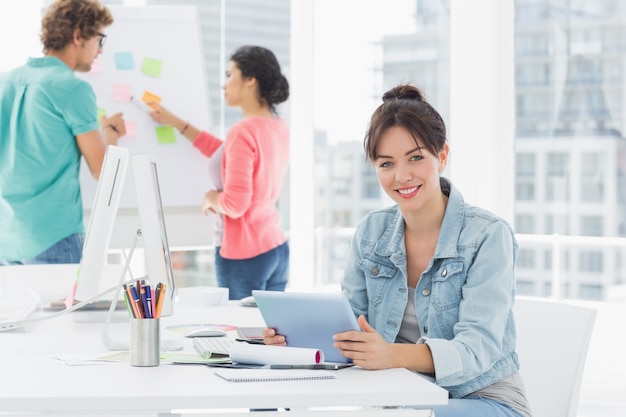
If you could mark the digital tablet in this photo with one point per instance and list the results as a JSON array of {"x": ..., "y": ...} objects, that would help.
[{"x": 308, "y": 320}]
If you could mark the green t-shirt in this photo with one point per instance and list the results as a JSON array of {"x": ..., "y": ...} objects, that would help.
[{"x": 43, "y": 106}]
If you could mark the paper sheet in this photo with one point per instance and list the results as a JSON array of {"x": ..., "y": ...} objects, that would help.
[{"x": 274, "y": 355}]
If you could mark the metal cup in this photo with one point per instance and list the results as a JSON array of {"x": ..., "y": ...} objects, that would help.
[{"x": 144, "y": 342}]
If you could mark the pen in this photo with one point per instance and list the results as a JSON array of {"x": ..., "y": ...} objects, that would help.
[
  {"x": 149, "y": 300},
  {"x": 138, "y": 286},
  {"x": 159, "y": 305},
  {"x": 252, "y": 341},
  {"x": 327, "y": 366},
  {"x": 144, "y": 302},
  {"x": 131, "y": 300},
  {"x": 136, "y": 303},
  {"x": 152, "y": 302},
  {"x": 157, "y": 295},
  {"x": 131, "y": 312}
]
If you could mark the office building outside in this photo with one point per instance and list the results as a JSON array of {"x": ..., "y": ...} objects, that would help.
[{"x": 570, "y": 176}]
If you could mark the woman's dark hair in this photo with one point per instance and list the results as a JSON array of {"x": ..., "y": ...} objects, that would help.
[
  {"x": 406, "y": 106},
  {"x": 63, "y": 17},
  {"x": 261, "y": 63}
]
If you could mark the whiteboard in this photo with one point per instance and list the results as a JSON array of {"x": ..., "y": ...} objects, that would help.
[{"x": 156, "y": 49}]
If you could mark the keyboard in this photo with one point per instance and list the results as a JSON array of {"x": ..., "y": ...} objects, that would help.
[
  {"x": 9, "y": 314},
  {"x": 212, "y": 346}
]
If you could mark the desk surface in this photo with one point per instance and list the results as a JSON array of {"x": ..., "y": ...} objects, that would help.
[{"x": 32, "y": 381}]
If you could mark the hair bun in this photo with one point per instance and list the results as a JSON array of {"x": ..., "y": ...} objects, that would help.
[{"x": 404, "y": 92}]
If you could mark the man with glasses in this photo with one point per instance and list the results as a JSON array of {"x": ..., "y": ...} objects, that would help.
[{"x": 48, "y": 120}]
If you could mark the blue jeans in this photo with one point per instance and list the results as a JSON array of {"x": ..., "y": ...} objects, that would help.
[
  {"x": 475, "y": 407},
  {"x": 65, "y": 251},
  {"x": 267, "y": 271}
]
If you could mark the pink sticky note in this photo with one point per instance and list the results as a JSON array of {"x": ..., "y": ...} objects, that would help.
[
  {"x": 131, "y": 128},
  {"x": 96, "y": 66},
  {"x": 121, "y": 92}
]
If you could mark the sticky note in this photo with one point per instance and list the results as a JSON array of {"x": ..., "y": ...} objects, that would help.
[
  {"x": 100, "y": 113},
  {"x": 149, "y": 97},
  {"x": 121, "y": 92},
  {"x": 165, "y": 135},
  {"x": 124, "y": 61},
  {"x": 131, "y": 128},
  {"x": 152, "y": 67},
  {"x": 96, "y": 66}
]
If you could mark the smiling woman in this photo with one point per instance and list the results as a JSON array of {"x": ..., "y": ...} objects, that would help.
[{"x": 418, "y": 273}]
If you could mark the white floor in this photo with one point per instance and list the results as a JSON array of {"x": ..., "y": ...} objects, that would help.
[{"x": 603, "y": 391}]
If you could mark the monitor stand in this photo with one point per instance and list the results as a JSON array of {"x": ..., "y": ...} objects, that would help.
[{"x": 113, "y": 344}]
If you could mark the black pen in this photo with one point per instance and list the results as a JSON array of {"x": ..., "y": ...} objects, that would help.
[
  {"x": 327, "y": 366},
  {"x": 251, "y": 341}
]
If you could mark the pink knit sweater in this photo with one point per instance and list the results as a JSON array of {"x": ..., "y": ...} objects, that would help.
[{"x": 256, "y": 153}]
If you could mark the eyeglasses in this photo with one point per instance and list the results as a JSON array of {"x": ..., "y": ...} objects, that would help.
[{"x": 103, "y": 38}]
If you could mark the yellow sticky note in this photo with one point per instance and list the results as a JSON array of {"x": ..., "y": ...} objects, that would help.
[
  {"x": 101, "y": 112},
  {"x": 151, "y": 67},
  {"x": 150, "y": 97},
  {"x": 165, "y": 135}
]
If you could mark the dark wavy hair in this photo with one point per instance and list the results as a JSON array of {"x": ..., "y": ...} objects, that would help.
[
  {"x": 261, "y": 63},
  {"x": 63, "y": 17},
  {"x": 406, "y": 106}
]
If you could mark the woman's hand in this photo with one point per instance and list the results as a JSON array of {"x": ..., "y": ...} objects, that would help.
[
  {"x": 271, "y": 338},
  {"x": 367, "y": 348},
  {"x": 210, "y": 204},
  {"x": 163, "y": 116}
]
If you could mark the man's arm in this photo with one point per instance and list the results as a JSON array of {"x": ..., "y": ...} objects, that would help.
[{"x": 91, "y": 145}]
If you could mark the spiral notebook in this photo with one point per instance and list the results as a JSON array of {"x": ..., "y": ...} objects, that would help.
[{"x": 260, "y": 375}]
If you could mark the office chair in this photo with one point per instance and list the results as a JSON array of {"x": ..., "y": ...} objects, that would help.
[{"x": 552, "y": 342}]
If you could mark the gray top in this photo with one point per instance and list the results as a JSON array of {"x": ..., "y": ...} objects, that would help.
[{"x": 510, "y": 390}]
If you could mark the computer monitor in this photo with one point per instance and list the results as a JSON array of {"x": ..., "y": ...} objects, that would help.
[
  {"x": 101, "y": 222},
  {"x": 153, "y": 231}
]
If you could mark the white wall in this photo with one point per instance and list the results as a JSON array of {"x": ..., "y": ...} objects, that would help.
[{"x": 482, "y": 107}]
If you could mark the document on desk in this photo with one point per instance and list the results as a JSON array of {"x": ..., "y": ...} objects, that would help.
[
  {"x": 124, "y": 357},
  {"x": 260, "y": 375},
  {"x": 271, "y": 355}
]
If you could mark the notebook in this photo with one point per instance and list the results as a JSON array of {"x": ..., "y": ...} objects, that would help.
[
  {"x": 260, "y": 375},
  {"x": 308, "y": 320}
]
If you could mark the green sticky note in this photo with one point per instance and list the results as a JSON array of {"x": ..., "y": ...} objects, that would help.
[
  {"x": 101, "y": 112},
  {"x": 152, "y": 67},
  {"x": 165, "y": 134}
]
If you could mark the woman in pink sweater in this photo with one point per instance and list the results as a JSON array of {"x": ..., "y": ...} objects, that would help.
[{"x": 253, "y": 252}]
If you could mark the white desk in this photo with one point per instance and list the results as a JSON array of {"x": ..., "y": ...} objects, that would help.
[{"x": 32, "y": 382}]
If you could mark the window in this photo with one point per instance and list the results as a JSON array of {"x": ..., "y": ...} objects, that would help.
[
  {"x": 525, "y": 223},
  {"x": 591, "y": 261},
  {"x": 526, "y": 259},
  {"x": 591, "y": 226},
  {"x": 525, "y": 167},
  {"x": 557, "y": 177},
  {"x": 592, "y": 178}
]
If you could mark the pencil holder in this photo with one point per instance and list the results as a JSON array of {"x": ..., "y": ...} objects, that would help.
[{"x": 144, "y": 342}]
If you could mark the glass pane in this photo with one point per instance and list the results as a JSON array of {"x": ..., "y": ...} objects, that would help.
[
  {"x": 570, "y": 146},
  {"x": 225, "y": 26},
  {"x": 405, "y": 41}
]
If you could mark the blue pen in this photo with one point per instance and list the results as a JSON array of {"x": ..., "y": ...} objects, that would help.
[
  {"x": 149, "y": 300},
  {"x": 144, "y": 303},
  {"x": 137, "y": 302}
]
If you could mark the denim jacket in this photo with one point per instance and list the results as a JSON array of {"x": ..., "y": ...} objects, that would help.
[{"x": 464, "y": 297}]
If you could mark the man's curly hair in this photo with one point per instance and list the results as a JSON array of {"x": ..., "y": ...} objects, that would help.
[{"x": 63, "y": 17}]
